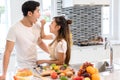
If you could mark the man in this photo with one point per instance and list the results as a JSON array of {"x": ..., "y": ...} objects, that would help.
[{"x": 24, "y": 35}]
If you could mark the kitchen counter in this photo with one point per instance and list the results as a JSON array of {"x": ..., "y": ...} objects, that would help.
[
  {"x": 104, "y": 75},
  {"x": 115, "y": 75},
  {"x": 110, "y": 76}
]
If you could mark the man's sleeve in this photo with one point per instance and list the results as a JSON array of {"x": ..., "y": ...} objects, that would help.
[{"x": 11, "y": 36}]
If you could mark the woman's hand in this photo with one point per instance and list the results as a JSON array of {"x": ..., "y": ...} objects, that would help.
[
  {"x": 43, "y": 22},
  {"x": 41, "y": 61},
  {"x": 39, "y": 40}
]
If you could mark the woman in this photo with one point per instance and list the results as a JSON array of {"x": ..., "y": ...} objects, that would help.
[{"x": 60, "y": 48}]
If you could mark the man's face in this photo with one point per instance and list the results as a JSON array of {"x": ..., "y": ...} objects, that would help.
[{"x": 35, "y": 15}]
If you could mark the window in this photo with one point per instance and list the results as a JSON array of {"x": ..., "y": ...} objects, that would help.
[
  {"x": 46, "y": 10},
  {"x": 3, "y": 22}
]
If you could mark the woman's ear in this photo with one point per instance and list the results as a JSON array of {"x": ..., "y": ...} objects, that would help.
[{"x": 58, "y": 27}]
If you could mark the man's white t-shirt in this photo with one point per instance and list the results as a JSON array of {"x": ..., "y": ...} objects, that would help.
[{"x": 25, "y": 39}]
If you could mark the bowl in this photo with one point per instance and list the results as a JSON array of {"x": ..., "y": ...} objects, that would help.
[
  {"x": 23, "y": 74},
  {"x": 23, "y": 78}
]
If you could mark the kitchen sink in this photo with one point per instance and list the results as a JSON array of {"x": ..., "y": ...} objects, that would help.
[{"x": 102, "y": 66}]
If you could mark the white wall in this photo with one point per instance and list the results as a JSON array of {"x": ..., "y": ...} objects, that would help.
[
  {"x": 119, "y": 18},
  {"x": 115, "y": 19},
  {"x": 115, "y": 23},
  {"x": 54, "y": 8},
  {"x": 15, "y": 10},
  {"x": 99, "y": 2}
]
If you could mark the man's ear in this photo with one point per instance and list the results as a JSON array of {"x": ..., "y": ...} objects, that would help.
[{"x": 29, "y": 13}]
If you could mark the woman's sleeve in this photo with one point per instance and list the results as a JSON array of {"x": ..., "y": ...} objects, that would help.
[{"x": 61, "y": 47}]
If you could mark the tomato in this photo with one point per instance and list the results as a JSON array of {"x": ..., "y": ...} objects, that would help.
[{"x": 54, "y": 75}]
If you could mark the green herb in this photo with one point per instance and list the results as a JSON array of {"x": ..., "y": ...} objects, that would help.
[
  {"x": 63, "y": 78},
  {"x": 65, "y": 65}
]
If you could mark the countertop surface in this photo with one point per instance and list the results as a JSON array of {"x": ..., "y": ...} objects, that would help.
[
  {"x": 110, "y": 76},
  {"x": 104, "y": 76},
  {"x": 115, "y": 75}
]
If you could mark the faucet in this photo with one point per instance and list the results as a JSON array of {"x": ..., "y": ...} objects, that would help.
[{"x": 110, "y": 66}]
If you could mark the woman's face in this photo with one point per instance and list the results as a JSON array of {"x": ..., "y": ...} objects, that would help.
[{"x": 54, "y": 27}]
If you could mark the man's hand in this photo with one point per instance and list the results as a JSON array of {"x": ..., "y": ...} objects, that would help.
[{"x": 2, "y": 77}]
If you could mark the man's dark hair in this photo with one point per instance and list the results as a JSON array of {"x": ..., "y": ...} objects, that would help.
[{"x": 29, "y": 6}]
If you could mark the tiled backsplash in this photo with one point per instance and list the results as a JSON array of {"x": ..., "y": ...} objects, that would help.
[{"x": 86, "y": 20}]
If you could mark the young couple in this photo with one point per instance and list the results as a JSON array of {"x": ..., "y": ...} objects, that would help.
[{"x": 27, "y": 33}]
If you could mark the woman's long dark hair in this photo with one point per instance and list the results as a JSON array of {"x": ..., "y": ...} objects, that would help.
[{"x": 64, "y": 33}]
